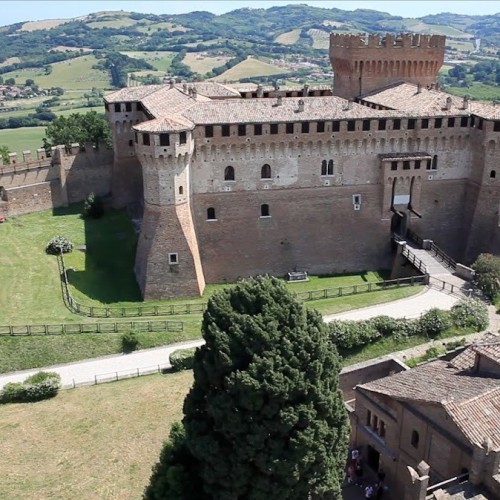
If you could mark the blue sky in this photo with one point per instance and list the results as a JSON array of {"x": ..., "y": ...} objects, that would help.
[{"x": 19, "y": 10}]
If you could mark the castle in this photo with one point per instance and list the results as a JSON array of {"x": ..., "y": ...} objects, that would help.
[{"x": 238, "y": 180}]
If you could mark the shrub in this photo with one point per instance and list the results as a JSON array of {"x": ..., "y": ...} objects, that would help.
[
  {"x": 434, "y": 322},
  {"x": 487, "y": 267},
  {"x": 470, "y": 313},
  {"x": 386, "y": 325},
  {"x": 350, "y": 335},
  {"x": 93, "y": 206},
  {"x": 59, "y": 244},
  {"x": 130, "y": 342},
  {"x": 183, "y": 359},
  {"x": 41, "y": 385}
]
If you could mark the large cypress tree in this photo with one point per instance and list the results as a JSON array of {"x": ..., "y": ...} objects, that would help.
[{"x": 265, "y": 417}]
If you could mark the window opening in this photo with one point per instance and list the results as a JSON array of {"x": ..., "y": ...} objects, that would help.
[
  {"x": 264, "y": 210},
  {"x": 229, "y": 174},
  {"x": 265, "y": 171}
]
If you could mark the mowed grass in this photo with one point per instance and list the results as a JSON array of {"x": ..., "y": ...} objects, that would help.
[
  {"x": 75, "y": 74},
  {"x": 202, "y": 64},
  {"x": 22, "y": 139},
  {"x": 160, "y": 60},
  {"x": 248, "y": 68},
  {"x": 96, "y": 442}
]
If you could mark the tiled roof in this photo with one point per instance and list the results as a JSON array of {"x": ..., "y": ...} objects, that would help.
[
  {"x": 173, "y": 123},
  {"x": 252, "y": 87},
  {"x": 466, "y": 359},
  {"x": 131, "y": 93},
  {"x": 490, "y": 351},
  {"x": 212, "y": 89},
  {"x": 169, "y": 101},
  {"x": 479, "y": 417},
  {"x": 405, "y": 97}
]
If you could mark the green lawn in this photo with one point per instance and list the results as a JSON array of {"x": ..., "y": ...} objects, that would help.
[
  {"x": 22, "y": 139},
  {"x": 160, "y": 60}
]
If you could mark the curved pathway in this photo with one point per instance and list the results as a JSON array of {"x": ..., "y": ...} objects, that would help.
[{"x": 147, "y": 361}]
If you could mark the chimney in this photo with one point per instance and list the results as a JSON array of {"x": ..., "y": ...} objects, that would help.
[
  {"x": 349, "y": 104},
  {"x": 172, "y": 83},
  {"x": 466, "y": 102},
  {"x": 194, "y": 93},
  {"x": 260, "y": 90},
  {"x": 184, "y": 86},
  {"x": 301, "y": 105},
  {"x": 419, "y": 88},
  {"x": 305, "y": 91},
  {"x": 279, "y": 102},
  {"x": 448, "y": 104}
]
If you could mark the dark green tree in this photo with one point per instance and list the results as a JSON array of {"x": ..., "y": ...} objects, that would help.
[
  {"x": 265, "y": 417},
  {"x": 487, "y": 267},
  {"x": 4, "y": 154}
]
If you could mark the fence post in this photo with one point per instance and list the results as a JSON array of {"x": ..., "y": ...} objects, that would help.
[{"x": 95, "y": 379}]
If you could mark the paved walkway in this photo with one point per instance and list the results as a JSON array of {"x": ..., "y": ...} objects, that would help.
[{"x": 115, "y": 367}]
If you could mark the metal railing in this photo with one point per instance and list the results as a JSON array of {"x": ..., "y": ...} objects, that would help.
[
  {"x": 414, "y": 260},
  {"x": 438, "y": 252}
]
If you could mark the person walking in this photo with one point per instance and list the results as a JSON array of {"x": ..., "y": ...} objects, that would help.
[{"x": 369, "y": 491}]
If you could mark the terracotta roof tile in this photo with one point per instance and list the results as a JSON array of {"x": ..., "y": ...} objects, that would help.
[
  {"x": 132, "y": 93},
  {"x": 174, "y": 123},
  {"x": 466, "y": 359}
]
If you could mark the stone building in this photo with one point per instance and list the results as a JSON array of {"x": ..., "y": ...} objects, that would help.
[
  {"x": 441, "y": 419},
  {"x": 238, "y": 180}
]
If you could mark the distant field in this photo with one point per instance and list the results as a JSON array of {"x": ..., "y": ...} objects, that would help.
[
  {"x": 161, "y": 60},
  {"x": 166, "y": 26},
  {"x": 10, "y": 60},
  {"x": 461, "y": 45},
  {"x": 42, "y": 25},
  {"x": 201, "y": 64},
  {"x": 477, "y": 90},
  {"x": 76, "y": 74},
  {"x": 321, "y": 39},
  {"x": 436, "y": 29},
  {"x": 288, "y": 38},
  {"x": 22, "y": 139},
  {"x": 121, "y": 22},
  {"x": 64, "y": 48},
  {"x": 248, "y": 68}
]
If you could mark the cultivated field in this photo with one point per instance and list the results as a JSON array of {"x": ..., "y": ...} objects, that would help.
[
  {"x": 248, "y": 68},
  {"x": 203, "y": 64},
  {"x": 10, "y": 60},
  {"x": 160, "y": 60},
  {"x": 288, "y": 38},
  {"x": 477, "y": 90},
  {"x": 42, "y": 25},
  {"x": 96, "y": 442}
]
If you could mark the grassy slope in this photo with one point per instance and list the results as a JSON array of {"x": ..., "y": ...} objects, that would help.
[
  {"x": 204, "y": 64},
  {"x": 161, "y": 60},
  {"x": 288, "y": 38},
  {"x": 477, "y": 90},
  {"x": 248, "y": 68},
  {"x": 22, "y": 139}
]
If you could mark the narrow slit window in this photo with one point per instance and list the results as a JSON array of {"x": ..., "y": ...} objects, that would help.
[
  {"x": 493, "y": 174},
  {"x": 323, "y": 167},
  {"x": 181, "y": 190},
  {"x": 330, "y": 168},
  {"x": 415, "y": 438}
]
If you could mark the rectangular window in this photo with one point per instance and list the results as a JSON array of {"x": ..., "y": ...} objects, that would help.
[
  {"x": 368, "y": 417},
  {"x": 274, "y": 128},
  {"x": 289, "y": 128},
  {"x": 429, "y": 165},
  {"x": 411, "y": 123},
  {"x": 320, "y": 127},
  {"x": 145, "y": 140},
  {"x": 305, "y": 127},
  {"x": 225, "y": 130},
  {"x": 173, "y": 259},
  {"x": 335, "y": 126},
  {"x": 136, "y": 136},
  {"x": 438, "y": 123},
  {"x": 396, "y": 124},
  {"x": 451, "y": 122},
  {"x": 394, "y": 165},
  {"x": 182, "y": 138},
  {"x": 381, "y": 124},
  {"x": 375, "y": 422},
  {"x": 164, "y": 140},
  {"x": 257, "y": 129},
  {"x": 381, "y": 430},
  {"x": 464, "y": 121},
  {"x": 209, "y": 131},
  {"x": 366, "y": 125},
  {"x": 118, "y": 107},
  {"x": 128, "y": 107},
  {"x": 406, "y": 165},
  {"x": 496, "y": 127},
  {"x": 139, "y": 107},
  {"x": 480, "y": 124},
  {"x": 425, "y": 123},
  {"x": 242, "y": 130},
  {"x": 472, "y": 120},
  {"x": 417, "y": 164},
  {"x": 351, "y": 125}
]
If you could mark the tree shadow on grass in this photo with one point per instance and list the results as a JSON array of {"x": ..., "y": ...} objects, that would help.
[{"x": 110, "y": 243}]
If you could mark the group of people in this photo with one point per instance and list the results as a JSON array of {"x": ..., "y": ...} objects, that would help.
[{"x": 355, "y": 476}]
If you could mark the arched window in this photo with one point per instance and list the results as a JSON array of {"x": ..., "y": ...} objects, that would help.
[
  {"x": 415, "y": 439},
  {"x": 264, "y": 210},
  {"x": 211, "y": 213},
  {"x": 493, "y": 174},
  {"x": 181, "y": 190},
  {"x": 323, "y": 167},
  {"x": 434, "y": 162},
  {"x": 265, "y": 172},
  {"x": 330, "y": 167},
  {"x": 229, "y": 174}
]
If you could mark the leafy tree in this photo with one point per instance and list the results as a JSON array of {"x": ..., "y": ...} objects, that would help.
[
  {"x": 4, "y": 154},
  {"x": 10, "y": 81},
  {"x": 487, "y": 267},
  {"x": 29, "y": 82},
  {"x": 265, "y": 416}
]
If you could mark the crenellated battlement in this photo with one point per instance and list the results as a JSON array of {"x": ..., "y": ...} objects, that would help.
[{"x": 388, "y": 41}]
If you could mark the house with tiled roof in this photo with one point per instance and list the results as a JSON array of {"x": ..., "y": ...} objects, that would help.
[{"x": 440, "y": 421}]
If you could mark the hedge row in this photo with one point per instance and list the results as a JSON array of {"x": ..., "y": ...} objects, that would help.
[{"x": 41, "y": 385}]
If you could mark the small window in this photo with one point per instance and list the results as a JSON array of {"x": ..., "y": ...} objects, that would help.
[
  {"x": 330, "y": 167},
  {"x": 242, "y": 130},
  {"x": 136, "y": 137},
  {"x": 164, "y": 140},
  {"x": 496, "y": 127},
  {"x": 118, "y": 107},
  {"x": 182, "y": 138},
  {"x": 323, "y": 167},
  {"x": 434, "y": 162},
  {"x": 128, "y": 107},
  {"x": 375, "y": 422},
  {"x": 480, "y": 124},
  {"x": 351, "y": 125},
  {"x": 305, "y": 127},
  {"x": 472, "y": 121},
  {"x": 209, "y": 131},
  {"x": 396, "y": 124},
  {"x": 211, "y": 213},
  {"x": 229, "y": 174},
  {"x": 139, "y": 107},
  {"x": 406, "y": 165},
  {"x": 415, "y": 439},
  {"x": 381, "y": 124},
  {"x": 464, "y": 121},
  {"x": 130, "y": 142},
  {"x": 145, "y": 139},
  {"x": 366, "y": 125},
  {"x": 451, "y": 122},
  {"x": 225, "y": 131},
  {"x": 417, "y": 164},
  {"x": 493, "y": 174},
  {"x": 438, "y": 123},
  {"x": 173, "y": 259},
  {"x": 289, "y": 128},
  {"x": 411, "y": 123},
  {"x": 265, "y": 172},
  {"x": 274, "y": 128},
  {"x": 257, "y": 129},
  {"x": 394, "y": 165},
  {"x": 425, "y": 123},
  {"x": 381, "y": 430},
  {"x": 356, "y": 199},
  {"x": 368, "y": 417},
  {"x": 264, "y": 210},
  {"x": 335, "y": 126},
  {"x": 181, "y": 190},
  {"x": 320, "y": 127}
]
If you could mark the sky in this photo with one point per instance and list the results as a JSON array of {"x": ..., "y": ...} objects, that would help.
[{"x": 33, "y": 10}]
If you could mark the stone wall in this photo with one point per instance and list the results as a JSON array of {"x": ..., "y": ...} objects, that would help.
[{"x": 31, "y": 198}]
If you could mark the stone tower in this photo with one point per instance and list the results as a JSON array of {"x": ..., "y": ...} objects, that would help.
[{"x": 363, "y": 63}]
